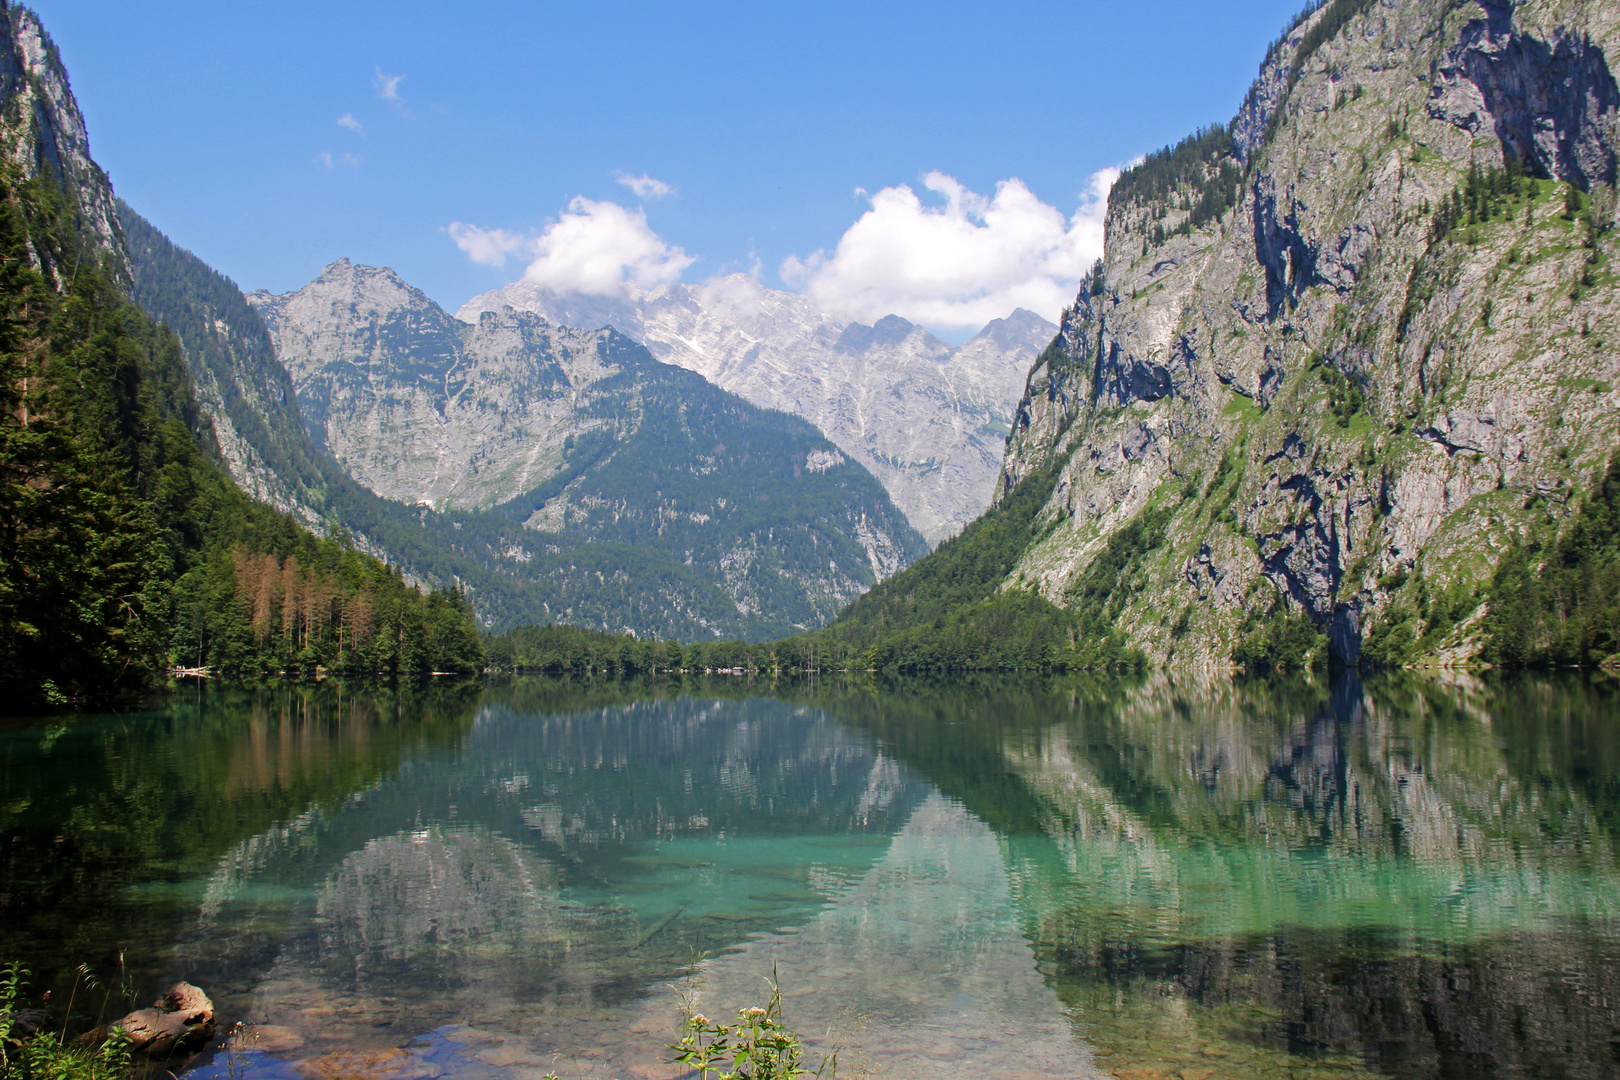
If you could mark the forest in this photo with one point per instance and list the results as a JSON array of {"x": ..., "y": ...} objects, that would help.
[
  {"x": 125, "y": 549},
  {"x": 1552, "y": 603},
  {"x": 946, "y": 612}
]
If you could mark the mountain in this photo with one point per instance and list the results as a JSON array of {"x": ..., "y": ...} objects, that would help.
[
  {"x": 928, "y": 420},
  {"x": 251, "y": 406},
  {"x": 42, "y": 133},
  {"x": 124, "y": 546},
  {"x": 1345, "y": 359},
  {"x": 639, "y": 497},
  {"x": 744, "y": 546}
]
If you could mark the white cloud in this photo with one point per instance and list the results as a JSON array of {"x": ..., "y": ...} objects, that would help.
[
  {"x": 388, "y": 88},
  {"x": 347, "y": 120},
  {"x": 491, "y": 247},
  {"x": 644, "y": 186},
  {"x": 593, "y": 248},
  {"x": 332, "y": 161},
  {"x": 959, "y": 265}
]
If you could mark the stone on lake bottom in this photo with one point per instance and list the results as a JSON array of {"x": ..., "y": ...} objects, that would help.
[{"x": 272, "y": 1038}]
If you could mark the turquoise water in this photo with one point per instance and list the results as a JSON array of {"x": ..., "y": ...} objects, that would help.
[{"x": 978, "y": 878}]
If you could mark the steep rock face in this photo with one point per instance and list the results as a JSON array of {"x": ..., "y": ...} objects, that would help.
[
  {"x": 589, "y": 442},
  {"x": 1335, "y": 389},
  {"x": 415, "y": 405},
  {"x": 247, "y": 396},
  {"x": 43, "y": 132},
  {"x": 926, "y": 419}
]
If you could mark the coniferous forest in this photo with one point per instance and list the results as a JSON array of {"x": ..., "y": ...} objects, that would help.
[{"x": 124, "y": 547}]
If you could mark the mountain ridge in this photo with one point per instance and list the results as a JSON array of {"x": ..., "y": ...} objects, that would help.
[
  {"x": 579, "y": 440},
  {"x": 926, "y": 418},
  {"x": 1350, "y": 348}
]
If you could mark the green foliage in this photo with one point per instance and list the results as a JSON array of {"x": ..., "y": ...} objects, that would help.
[
  {"x": 43, "y": 1054},
  {"x": 1337, "y": 15},
  {"x": 116, "y": 527},
  {"x": 1203, "y": 167},
  {"x": 949, "y": 612},
  {"x": 1573, "y": 203},
  {"x": 1345, "y": 396},
  {"x": 756, "y": 1047},
  {"x": 1560, "y": 604},
  {"x": 1280, "y": 641},
  {"x": 568, "y": 649},
  {"x": 1117, "y": 574},
  {"x": 1390, "y": 642},
  {"x": 1485, "y": 195},
  {"x": 964, "y": 571}
]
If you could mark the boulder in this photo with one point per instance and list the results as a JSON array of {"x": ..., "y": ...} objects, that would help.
[
  {"x": 25, "y": 1022},
  {"x": 179, "y": 1023}
]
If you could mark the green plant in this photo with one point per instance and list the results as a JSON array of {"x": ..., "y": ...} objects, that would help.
[
  {"x": 757, "y": 1047},
  {"x": 42, "y": 1054},
  {"x": 1280, "y": 641},
  {"x": 237, "y": 1045},
  {"x": 1558, "y": 602}
]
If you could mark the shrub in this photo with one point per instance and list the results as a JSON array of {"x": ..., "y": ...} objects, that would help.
[{"x": 42, "y": 1054}]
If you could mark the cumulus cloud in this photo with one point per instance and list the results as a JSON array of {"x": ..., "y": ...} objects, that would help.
[
  {"x": 347, "y": 120},
  {"x": 388, "y": 88},
  {"x": 331, "y": 161},
  {"x": 491, "y": 247},
  {"x": 644, "y": 186},
  {"x": 593, "y": 249},
  {"x": 959, "y": 265}
]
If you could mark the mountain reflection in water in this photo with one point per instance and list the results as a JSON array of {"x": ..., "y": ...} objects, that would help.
[{"x": 974, "y": 878}]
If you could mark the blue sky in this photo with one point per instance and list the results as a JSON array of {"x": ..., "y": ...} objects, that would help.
[{"x": 778, "y": 127}]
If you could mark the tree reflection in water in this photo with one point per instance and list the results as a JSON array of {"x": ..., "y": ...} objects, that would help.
[
  {"x": 1239, "y": 878},
  {"x": 1406, "y": 875}
]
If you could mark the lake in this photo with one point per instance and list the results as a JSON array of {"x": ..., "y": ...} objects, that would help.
[{"x": 1153, "y": 877}]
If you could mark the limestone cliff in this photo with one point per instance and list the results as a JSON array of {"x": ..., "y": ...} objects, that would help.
[
  {"x": 927, "y": 419},
  {"x": 1344, "y": 351},
  {"x": 650, "y": 501},
  {"x": 43, "y": 132}
]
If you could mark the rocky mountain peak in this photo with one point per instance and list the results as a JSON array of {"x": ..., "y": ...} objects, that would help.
[
  {"x": 378, "y": 286},
  {"x": 890, "y": 332},
  {"x": 926, "y": 419},
  {"x": 43, "y": 131},
  {"x": 1016, "y": 331}
]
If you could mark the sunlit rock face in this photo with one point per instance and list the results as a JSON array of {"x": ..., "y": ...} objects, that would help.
[
  {"x": 929, "y": 420},
  {"x": 1341, "y": 407},
  {"x": 423, "y": 409},
  {"x": 43, "y": 132},
  {"x": 747, "y": 523}
]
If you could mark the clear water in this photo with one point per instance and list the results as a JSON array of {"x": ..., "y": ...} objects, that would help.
[{"x": 949, "y": 879}]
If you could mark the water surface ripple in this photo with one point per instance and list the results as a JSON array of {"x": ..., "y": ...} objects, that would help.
[{"x": 981, "y": 878}]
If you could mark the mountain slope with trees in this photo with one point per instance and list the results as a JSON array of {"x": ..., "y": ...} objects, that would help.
[
  {"x": 124, "y": 546},
  {"x": 1346, "y": 353},
  {"x": 619, "y": 493}
]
